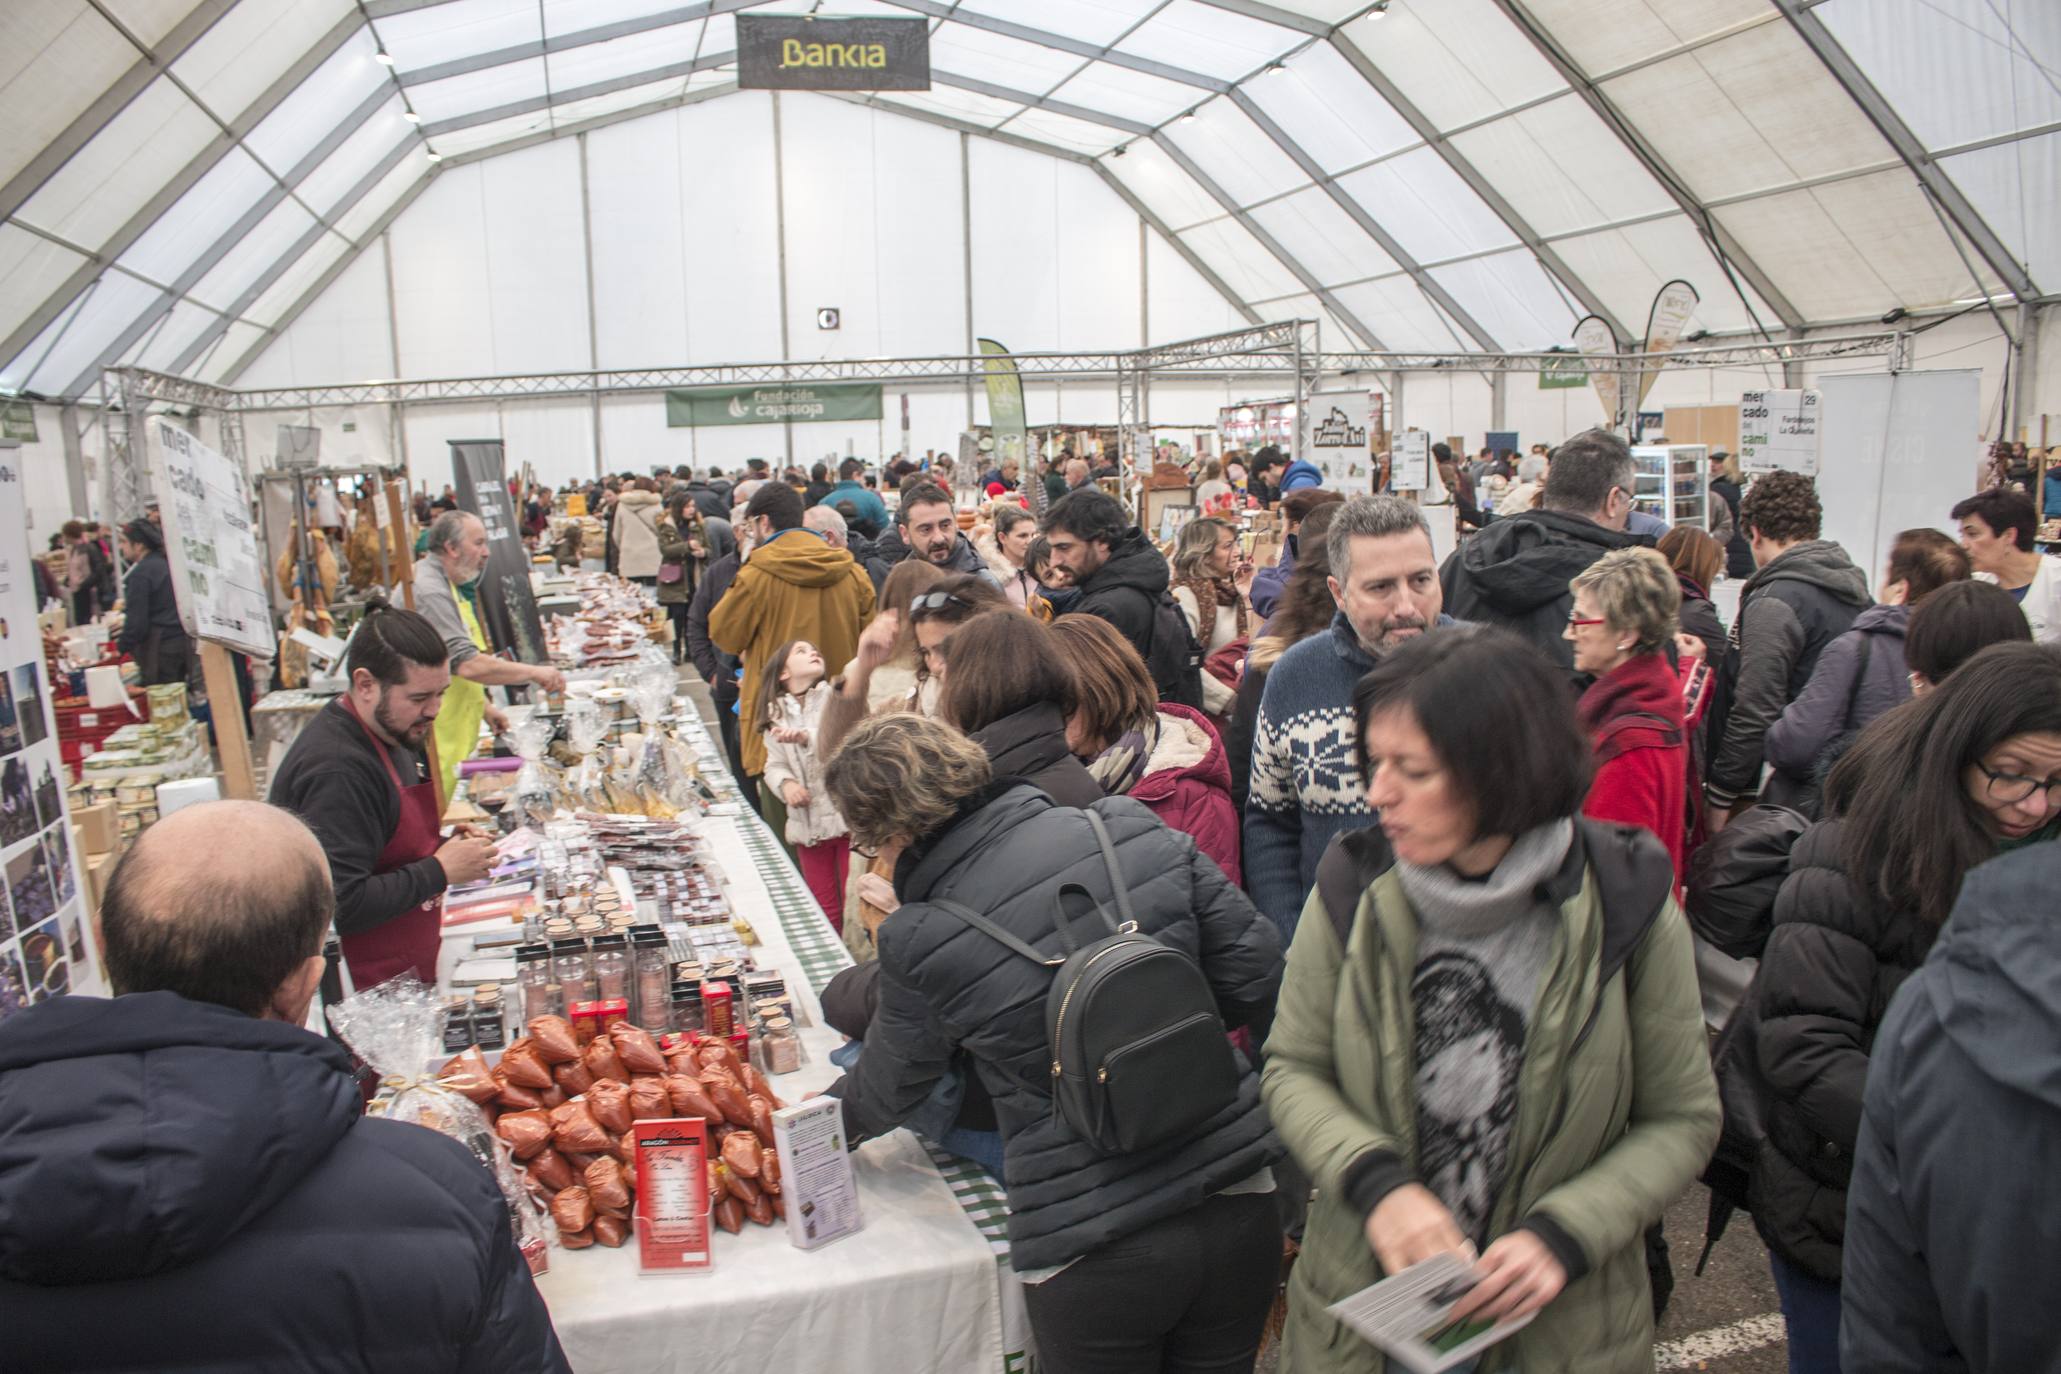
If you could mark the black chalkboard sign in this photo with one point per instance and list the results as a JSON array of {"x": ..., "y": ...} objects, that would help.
[
  {"x": 791, "y": 53},
  {"x": 509, "y": 608}
]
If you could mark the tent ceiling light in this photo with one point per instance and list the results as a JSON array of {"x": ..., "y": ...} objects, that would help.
[
  {"x": 383, "y": 58},
  {"x": 1380, "y": 10},
  {"x": 1188, "y": 118},
  {"x": 411, "y": 116}
]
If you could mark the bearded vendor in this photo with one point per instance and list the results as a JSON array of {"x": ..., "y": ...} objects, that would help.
[
  {"x": 446, "y": 585},
  {"x": 356, "y": 775}
]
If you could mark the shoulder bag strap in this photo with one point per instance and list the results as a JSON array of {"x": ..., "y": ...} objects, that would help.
[
  {"x": 1116, "y": 876},
  {"x": 994, "y": 932}
]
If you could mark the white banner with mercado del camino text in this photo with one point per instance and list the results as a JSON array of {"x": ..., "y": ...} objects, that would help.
[{"x": 47, "y": 946}]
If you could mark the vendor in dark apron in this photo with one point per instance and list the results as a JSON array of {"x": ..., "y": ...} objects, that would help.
[
  {"x": 151, "y": 632},
  {"x": 356, "y": 777}
]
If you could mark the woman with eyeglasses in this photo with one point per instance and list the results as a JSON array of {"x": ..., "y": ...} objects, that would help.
[{"x": 1937, "y": 786}]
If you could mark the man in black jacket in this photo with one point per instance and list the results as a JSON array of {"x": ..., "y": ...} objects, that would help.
[
  {"x": 1515, "y": 573},
  {"x": 1806, "y": 594},
  {"x": 929, "y": 525},
  {"x": 1123, "y": 579},
  {"x": 710, "y": 502},
  {"x": 718, "y": 669},
  {"x": 187, "y": 1176}
]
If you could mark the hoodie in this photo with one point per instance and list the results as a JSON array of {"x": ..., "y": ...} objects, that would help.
[
  {"x": 1859, "y": 676},
  {"x": 1299, "y": 474},
  {"x": 1789, "y": 611},
  {"x": 1514, "y": 574},
  {"x": 1187, "y": 784},
  {"x": 1126, "y": 589},
  {"x": 186, "y": 1187},
  {"x": 796, "y": 585},
  {"x": 1950, "y": 1242}
]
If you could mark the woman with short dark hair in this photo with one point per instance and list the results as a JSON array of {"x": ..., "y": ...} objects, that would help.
[
  {"x": 1934, "y": 788},
  {"x": 1165, "y": 1257},
  {"x": 1488, "y": 1035},
  {"x": 151, "y": 630},
  {"x": 1011, "y": 693},
  {"x": 1954, "y": 625}
]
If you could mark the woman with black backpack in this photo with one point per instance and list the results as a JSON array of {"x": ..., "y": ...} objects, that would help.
[
  {"x": 1935, "y": 787},
  {"x": 1141, "y": 1215}
]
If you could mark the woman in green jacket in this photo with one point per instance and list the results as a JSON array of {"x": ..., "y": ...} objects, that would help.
[{"x": 1453, "y": 1061}]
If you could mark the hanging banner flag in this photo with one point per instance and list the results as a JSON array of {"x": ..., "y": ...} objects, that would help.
[
  {"x": 771, "y": 405},
  {"x": 799, "y": 53},
  {"x": 1593, "y": 337},
  {"x": 507, "y": 601},
  {"x": 1673, "y": 304},
  {"x": 1005, "y": 419}
]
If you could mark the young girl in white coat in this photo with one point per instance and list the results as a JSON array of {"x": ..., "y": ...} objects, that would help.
[{"x": 790, "y": 706}]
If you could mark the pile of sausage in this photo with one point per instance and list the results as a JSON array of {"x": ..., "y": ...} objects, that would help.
[{"x": 566, "y": 1111}]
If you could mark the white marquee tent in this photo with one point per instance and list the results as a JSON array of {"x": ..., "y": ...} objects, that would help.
[{"x": 282, "y": 193}]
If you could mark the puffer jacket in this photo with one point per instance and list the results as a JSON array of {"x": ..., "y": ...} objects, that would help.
[
  {"x": 186, "y": 1187},
  {"x": 1832, "y": 962},
  {"x": 1187, "y": 784},
  {"x": 945, "y": 986},
  {"x": 1125, "y": 591},
  {"x": 1859, "y": 676},
  {"x": 1514, "y": 574},
  {"x": 1605, "y": 1138},
  {"x": 819, "y": 820},
  {"x": 1940, "y": 1278},
  {"x": 1788, "y": 612},
  {"x": 635, "y": 532},
  {"x": 1031, "y": 744},
  {"x": 1700, "y": 618}
]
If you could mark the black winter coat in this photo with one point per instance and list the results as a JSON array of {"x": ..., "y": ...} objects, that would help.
[
  {"x": 185, "y": 1187},
  {"x": 1738, "y": 553},
  {"x": 717, "y": 669},
  {"x": 1031, "y": 745},
  {"x": 1514, "y": 574},
  {"x": 1830, "y": 967},
  {"x": 945, "y": 986},
  {"x": 1125, "y": 590},
  {"x": 1700, "y": 618}
]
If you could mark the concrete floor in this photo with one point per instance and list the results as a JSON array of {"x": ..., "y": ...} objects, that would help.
[{"x": 1726, "y": 1322}]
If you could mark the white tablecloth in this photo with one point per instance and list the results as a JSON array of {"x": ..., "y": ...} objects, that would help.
[{"x": 914, "y": 1291}]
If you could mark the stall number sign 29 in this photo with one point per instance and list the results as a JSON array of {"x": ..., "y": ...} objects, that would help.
[{"x": 1778, "y": 431}]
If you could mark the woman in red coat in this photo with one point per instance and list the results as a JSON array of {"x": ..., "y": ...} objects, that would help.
[
  {"x": 1166, "y": 756},
  {"x": 1625, "y": 616}
]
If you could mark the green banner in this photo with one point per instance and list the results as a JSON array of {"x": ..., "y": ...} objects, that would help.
[
  {"x": 1559, "y": 376},
  {"x": 1005, "y": 417},
  {"x": 18, "y": 421},
  {"x": 772, "y": 405}
]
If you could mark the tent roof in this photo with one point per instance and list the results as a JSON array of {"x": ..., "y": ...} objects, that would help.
[{"x": 179, "y": 177}]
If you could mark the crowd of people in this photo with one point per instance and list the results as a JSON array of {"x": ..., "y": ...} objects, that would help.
[{"x": 1523, "y": 890}]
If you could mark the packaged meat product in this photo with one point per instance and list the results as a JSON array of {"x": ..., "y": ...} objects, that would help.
[
  {"x": 576, "y": 1240},
  {"x": 649, "y": 1100},
  {"x": 554, "y": 1038},
  {"x": 468, "y": 1076},
  {"x": 610, "y": 1231},
  {"x": 572, "y": 1078},
  {"x": 525, "y": 1132},
  {"x": 730, "y": 1215},
  {"x": 522, "y": 1064},
  {"x": 742, "y": 1153},
  {"x": 769, "y": 1171},
  {"x": 718, "y": 1054},
  {"x": 635, "y": 1047},
  {"x": 735, "y": 1106},
  {"x": 610, "y": 1103},
  {"x": 738, "y": 1186},
  {"x": 626, "y": 1149},
  {"x": 779, "y": 1205},
  {"x": 510, "y": 1094},
  {"x": 762, "y": 1121},
  {"x": 578, "y": 1132},
  {"x": 755, "y": 1083},
  {"x": 553, "y": 1096},
  {"x": 602, "y": 1061},
  {"x": 549, "y": 1168},
  {"x": 688, "y": 1099},
  {"x": 572, "y": 1209},
  {"x": 761, "y": 1210},
  {"x": 604, "y": 1182}
]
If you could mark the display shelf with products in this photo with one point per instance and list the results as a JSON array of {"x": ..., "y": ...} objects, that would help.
[{"x": 1673, "y": 482}]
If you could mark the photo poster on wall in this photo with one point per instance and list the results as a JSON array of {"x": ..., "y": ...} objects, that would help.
[
  {"x": 508, "y": 605},
  {"x": 47, "y": 946},
  {"x": 1340, "y": 432}
]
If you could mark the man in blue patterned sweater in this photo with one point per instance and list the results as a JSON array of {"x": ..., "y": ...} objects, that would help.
[{"x": 1306, "y": 784}]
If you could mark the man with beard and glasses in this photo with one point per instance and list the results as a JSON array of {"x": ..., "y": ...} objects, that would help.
[
  {"x": 1306, "y": 786},
  {"x": 356, "y": 777}
]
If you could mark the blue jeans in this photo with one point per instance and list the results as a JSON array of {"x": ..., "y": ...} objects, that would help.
[
  {"x": 1810, "y": 1309},
  {"x": 933, "y": 1120}
]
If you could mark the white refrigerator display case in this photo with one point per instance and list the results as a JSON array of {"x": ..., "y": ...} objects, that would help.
[{"x": 1673, "y": 482}]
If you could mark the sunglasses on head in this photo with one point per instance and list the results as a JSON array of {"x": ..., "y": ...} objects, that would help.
[{"x": 938, "y": 601}]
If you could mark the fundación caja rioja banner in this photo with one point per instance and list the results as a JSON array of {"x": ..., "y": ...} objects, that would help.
[
  {"x": 797, "y": 53},
  {"x": 772, "y": 405}
]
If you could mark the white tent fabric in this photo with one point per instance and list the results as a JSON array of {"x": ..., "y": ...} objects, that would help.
[{"x": 183, "y": 180}]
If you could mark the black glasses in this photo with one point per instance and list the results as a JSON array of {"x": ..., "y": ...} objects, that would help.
[
  {"x": 938, "y": 601},
  {"x": 2010, "y": 788}
]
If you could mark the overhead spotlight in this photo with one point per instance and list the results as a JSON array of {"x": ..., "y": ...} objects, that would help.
[
  {"x": 1120, "y": 150},
  {"x": 1273, "y": 67},
  {"x": 411, "y": 116},
  {"x": 1893, "y": 316},
  {"x": 435, "y": 156},
  {"x": 1698, "y": 337},
  {"x": 1380, "y": 10},
  {"x": 1188, "y": 118},
  {"x": 383, "y": 58}
]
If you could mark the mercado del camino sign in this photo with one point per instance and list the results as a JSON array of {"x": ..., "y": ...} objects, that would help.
[
  {"x": 772, "y": 405},
  {"x": 789, "y": 53}
]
